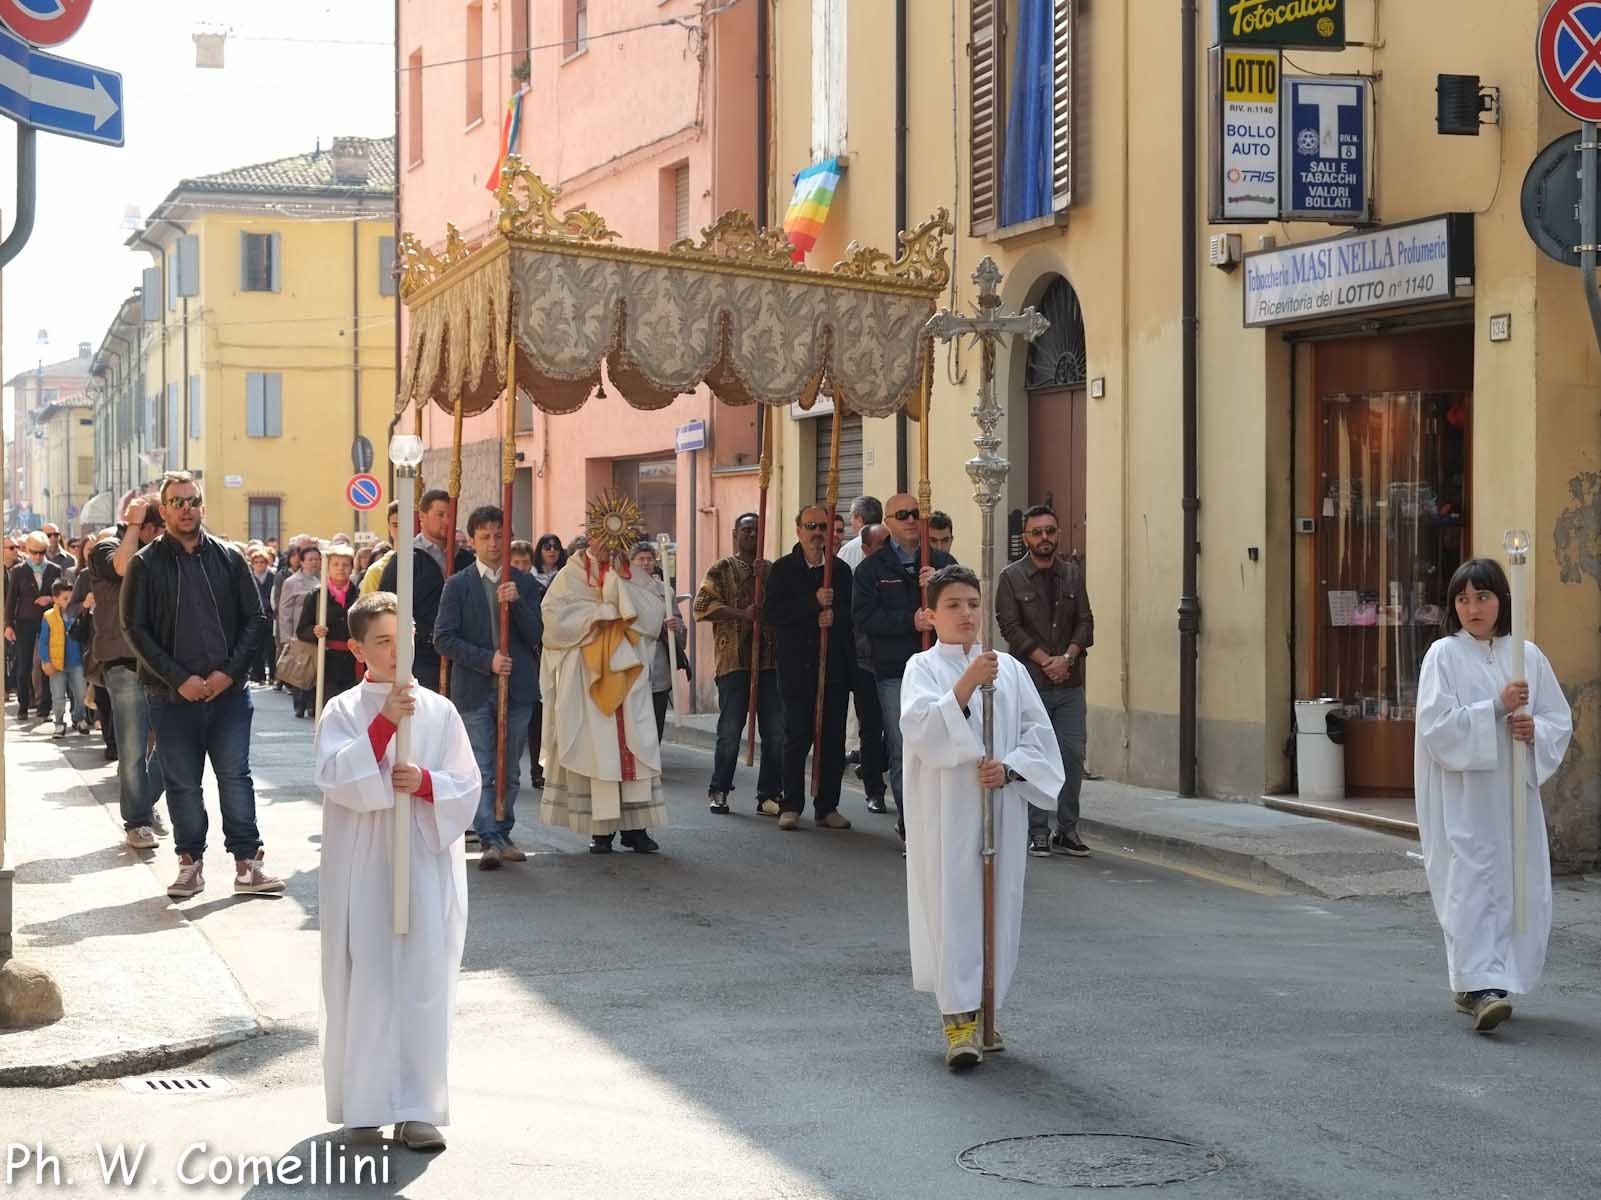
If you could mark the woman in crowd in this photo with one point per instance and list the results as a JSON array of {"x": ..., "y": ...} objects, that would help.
[
  {"x": 339, "y": 664},
  {"x": 292, "y": 596},
  {"x": 645, "y": 566},
  {"x": 549, "y": 557}
]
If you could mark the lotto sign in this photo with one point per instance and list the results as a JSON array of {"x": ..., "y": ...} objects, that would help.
[
  {"x": 1248, "y": 137},
  {"x": 364, "y": 492},
  {"x": 44, "y": 22},
  {"x": 1325, "y": 148},
  {"x": 1568, "y": 48}
]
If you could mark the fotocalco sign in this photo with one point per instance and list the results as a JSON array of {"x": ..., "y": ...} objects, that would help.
[{"x": 1281, "y": 24}]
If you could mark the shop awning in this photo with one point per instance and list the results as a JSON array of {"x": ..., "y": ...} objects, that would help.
[
  {"x": 98, "y": 512},
  {"x": 732, "y": 311}
]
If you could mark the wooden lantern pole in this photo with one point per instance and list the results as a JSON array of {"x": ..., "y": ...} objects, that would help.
[
  {"x": 925, "y": 490},
  {"x": 454, "y": 485},
  {"x": 832, "y": 503},
  {"x": 508, "y": 468},
  {"x": 322, "y": 623},
  {"x": 756, "y": 567}
]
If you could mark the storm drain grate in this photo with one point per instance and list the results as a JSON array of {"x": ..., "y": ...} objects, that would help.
[
  {"x": 175, "y": 1085},
  {"x": 1091, "y": 1160}
]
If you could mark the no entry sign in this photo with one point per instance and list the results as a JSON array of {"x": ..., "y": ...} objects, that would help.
[
  {"x": 364, "y": 492},
  {"x": 44, "y": 22},
  {"x": 1568, "y": 49}
]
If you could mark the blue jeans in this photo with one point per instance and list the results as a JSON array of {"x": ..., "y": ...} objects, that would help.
[
  {"x": 65, "y": 683},
  {"x": 480, "y": 723},
  {"x": 186, "y": 735},
  {"x": 889, "y": 703},
  {"x": 139, "y": 781},
  {"x": 1067, "y": 708},
  {"x": 733, "y": 709}
]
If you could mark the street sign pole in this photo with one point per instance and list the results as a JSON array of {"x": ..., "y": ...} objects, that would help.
[
  {"x": 1587, "y": 219},
  {"x": 27, "y": 194}
]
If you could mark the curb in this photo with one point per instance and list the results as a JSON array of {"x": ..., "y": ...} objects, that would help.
[
  {"x": 1252, "y": 868},
  {"x": 138, "y": 1061}
]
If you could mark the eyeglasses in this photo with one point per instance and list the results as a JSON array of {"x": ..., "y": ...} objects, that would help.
[
  {"x": 814, "y": 526},
  {"x": 183, "y": 502},
  {"x": 906, "y": 514}
]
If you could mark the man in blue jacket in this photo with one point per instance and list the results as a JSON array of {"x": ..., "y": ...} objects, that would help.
[{"x": 468, "y": 633}]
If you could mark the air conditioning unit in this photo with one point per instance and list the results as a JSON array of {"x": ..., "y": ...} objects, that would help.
[{"x": 1224, "y": 250}]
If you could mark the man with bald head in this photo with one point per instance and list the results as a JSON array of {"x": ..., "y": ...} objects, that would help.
[
  {"x": 887, "y": 607},
  {"x": 800, "y": 606}
]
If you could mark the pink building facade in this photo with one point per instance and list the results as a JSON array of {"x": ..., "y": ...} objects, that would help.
[{"x": 655, "y": 128}]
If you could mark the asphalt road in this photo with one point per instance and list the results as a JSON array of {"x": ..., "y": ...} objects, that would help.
[{"x": 734, "y": 1018}]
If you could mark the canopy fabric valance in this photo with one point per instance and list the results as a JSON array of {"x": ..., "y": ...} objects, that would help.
[{"x": 732, "y": 311}]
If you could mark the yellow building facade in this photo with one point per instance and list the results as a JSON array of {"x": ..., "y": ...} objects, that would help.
[
  {"x": 267, "y": 339},
  {"x": 1348, "y": 457}
]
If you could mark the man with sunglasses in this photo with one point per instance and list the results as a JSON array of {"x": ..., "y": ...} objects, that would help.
[
  {"x": 55, "y": 553},
  {"x": 193, "y": 617},
  {"x": 27, "y": 597},
  {"x": 887, "y": 608},
  {"x": 139, "y": 779}
]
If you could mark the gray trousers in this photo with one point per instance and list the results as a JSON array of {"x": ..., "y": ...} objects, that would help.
[{"x": 1068, "y": 717}]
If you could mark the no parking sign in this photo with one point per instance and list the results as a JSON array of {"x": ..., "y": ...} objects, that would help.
[
  {"x": 364, "y": 492},
  {"x": 1568, "y": 48}
]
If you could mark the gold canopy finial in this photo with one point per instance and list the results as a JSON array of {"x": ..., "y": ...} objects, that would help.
[
  {"x": 531, "y": 209},
  {"x": 735, "y": 238},
  {"x": 420, "y": 266},
  {"x": 921, "y": 261}
]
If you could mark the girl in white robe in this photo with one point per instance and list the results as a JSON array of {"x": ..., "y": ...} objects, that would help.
[
  {"x": 1463, "y": 770},
  {"x": 387, "y": 998},
  {"x": 944, "y": 744}
]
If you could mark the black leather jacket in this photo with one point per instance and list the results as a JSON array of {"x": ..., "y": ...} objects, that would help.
[{"x": 150, "y": 615}]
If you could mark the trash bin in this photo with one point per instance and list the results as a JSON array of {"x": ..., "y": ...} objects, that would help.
[{"x": 1320, "y": 749}]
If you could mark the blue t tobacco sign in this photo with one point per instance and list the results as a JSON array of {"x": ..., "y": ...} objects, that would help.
[{"x": 1281, "y": 24}]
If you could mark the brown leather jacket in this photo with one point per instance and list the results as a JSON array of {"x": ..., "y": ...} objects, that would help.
[{"x": 1028, "y": 623}]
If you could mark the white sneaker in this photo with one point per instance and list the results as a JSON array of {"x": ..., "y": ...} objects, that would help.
[
  {"x": 191, "y": 880},
  {"x": 249, "y": 879},
  {"x": 142, "y": 837}
]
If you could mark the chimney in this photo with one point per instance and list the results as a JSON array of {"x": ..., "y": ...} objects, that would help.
[
  {"x": 84, "y": 350},
  {"x": 351, "y": 161}
]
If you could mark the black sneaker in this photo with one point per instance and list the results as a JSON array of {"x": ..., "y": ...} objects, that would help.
[
  {"x": 600, "y": 843},
  {"x": 639, "y": 841},
  {"x": 1039, "y": 845},
  {"x": 1069, "y": 844},
  {"x": 717, "y": 802},
  {"x": 875, "y": 804}
]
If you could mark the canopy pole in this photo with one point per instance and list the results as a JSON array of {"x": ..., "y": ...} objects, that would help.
[
  {"x": 925, "y": 490},
  {"x": 508, "y": 467},
  {"x": 832, "y": 504},
  {"x": 454, "y": 485},
  {"x": 322, "y": 623},
  {"x": 756, "y": 624}
]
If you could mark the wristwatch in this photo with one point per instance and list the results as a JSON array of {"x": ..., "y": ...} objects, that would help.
[{"x": 1013, "y": 777}]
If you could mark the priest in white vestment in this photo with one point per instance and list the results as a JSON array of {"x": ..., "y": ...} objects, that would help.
[
  {"x": 942, "y": 723},
  {"x": 602, "y": 759},
  {"x": 387, "y": 998},
  {"x": 1463, "y": 771}
]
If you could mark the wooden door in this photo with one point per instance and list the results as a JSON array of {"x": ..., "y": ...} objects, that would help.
[{"x": 1056, "y": 459}]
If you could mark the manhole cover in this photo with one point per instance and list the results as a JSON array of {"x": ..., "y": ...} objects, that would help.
[
  {"x": 177, "y": 1085},
  {"x": 1092, "y": 1160}
]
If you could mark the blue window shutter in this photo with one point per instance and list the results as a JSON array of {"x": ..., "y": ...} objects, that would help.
[
  {"x": 273, "y": 394},
  {"x": 197, "y": 409},
  {"x": 174, "y": 430},
  {"x": 254, "y": 407},
  {"x": 244, "y": 261},
  {"x": 1026, "y": 182},
  {"x": 189, "y": 265},
  {"x": 386, "y": 266},
  {"x": 150, "y": 295},
  {"x": 275, "y": 244},
  {"x": 172, "y": 281}
]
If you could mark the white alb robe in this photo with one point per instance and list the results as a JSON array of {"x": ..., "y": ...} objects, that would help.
[
  {"x": 945, "y": 826},
  {"x": 1463, "y": 767},
  {"x": 387, "y": 999},
  {"x": 590, "y": 788}
]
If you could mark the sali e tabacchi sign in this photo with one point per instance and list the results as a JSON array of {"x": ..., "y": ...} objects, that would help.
[
  {"x": 1415, "y": 263},
  {"x": 1281, "y": 24}
]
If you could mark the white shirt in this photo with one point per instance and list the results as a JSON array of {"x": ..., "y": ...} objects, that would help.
[
  {"x": 490, "y": 573},
  {"x": 851, "y": 553}
]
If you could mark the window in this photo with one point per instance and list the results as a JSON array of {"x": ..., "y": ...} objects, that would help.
[
  {"x": 680, "y": 201},
  {"x": 387, "y": 266},
  {"x": 174, "y": 424},
  {"x": 260, "y": 262},
  {"x": 519, "y": 31},
  {"x": 414, "y": 113},
  {"x": 264, "y": 519},
  {"x": 197, "y": 409},
  {"x": 188, "y": 269},
  {"x": 264, "y": 404},
  {"x": 575, "y": 26},
  {"x": 828, "y": 77},
  {"x": 1021, "y": 124},
  {"x": 86, "y": 470},
  {"x": 474, "y": 64}
]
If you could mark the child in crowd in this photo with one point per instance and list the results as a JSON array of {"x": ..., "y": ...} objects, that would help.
[{"x": 61, "y": 660}]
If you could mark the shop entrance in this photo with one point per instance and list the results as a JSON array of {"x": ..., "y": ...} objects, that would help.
[
  {"x": 1390, "y": 448},
  {"x": 1056, "y": 416}
]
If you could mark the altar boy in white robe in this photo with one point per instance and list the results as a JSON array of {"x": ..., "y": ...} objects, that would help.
[
  {"x": 942, "y": 724},
  {"x": 387, "y": 998},
  {"x": 1463, "y": 769}
]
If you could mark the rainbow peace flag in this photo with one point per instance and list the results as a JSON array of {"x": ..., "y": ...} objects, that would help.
[
  {"x": 808, "y": 209},
  {"x": 510, "y": 131}
]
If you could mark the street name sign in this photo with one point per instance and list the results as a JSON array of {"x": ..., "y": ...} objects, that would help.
[
  {"x": 44, "y": 22},
  {"x": 690, "y": 437},
  {"x": 364, "y": 492},
  {"x": 57, "y": 95},
  {"x": 1281, "y": 24},
  {"x": 1568, "y": 49}
]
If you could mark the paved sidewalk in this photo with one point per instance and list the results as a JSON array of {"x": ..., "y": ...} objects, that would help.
[{"x": 141, "y": 987}]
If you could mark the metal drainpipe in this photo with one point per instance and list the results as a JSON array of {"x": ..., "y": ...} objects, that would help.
[
  {"x": 763, "y": 120},
  {"x": 1189, "y": 600},
  {"x": 902, "y": 476},
  {"x": 355, "y": 343},
  {"x": 400, "y": 159}
]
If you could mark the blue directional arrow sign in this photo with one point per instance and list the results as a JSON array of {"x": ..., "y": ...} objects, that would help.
[{"x": 57, "y": 95}]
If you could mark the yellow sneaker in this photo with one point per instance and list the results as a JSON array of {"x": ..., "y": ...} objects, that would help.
[{"x": 961, "y": 1042}]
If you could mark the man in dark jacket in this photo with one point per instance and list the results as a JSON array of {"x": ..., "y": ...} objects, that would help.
[
  {"x": 468, "y": 633},
  {"x": 429, "y": 548},
  {"x": 887, "y": 609},
  {"x": 799, "y": 607},
  {"x": 27, "y": 597},
  {"x": 139, "y": 778},
  {"x": 1044, "y": 615},
  {"x": 192, "y": 615}
]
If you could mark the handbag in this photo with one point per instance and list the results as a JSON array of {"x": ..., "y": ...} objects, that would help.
[{"x": 297, "y": 664}]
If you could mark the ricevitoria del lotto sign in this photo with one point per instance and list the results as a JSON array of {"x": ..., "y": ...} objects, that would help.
[
  {"x": 1415, "y": 263},
  {"x": 1281, "y": 24}
]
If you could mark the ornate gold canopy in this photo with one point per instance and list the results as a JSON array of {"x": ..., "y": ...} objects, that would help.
[{"x": 732, "y": 311}]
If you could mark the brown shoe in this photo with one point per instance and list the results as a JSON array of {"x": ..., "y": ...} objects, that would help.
[
  {"x": 1489, "y": 1010},
  {"x": 419, "y": 1135},
  {"x": 834, "y": 820},
  {"x": 510, "y": 853},
  {"x": 250, "y": 880},
  {"x": 191, "y": 879},
  {"x": 489, "y": 860},
  {"x": 768, "y": 807},
  {"x": 789, "y": 820}
]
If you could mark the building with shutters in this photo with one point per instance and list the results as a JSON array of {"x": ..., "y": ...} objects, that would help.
[
  {"x": 260, "y": 343},
  {"x": 48, "y": 405},
  {"x": 1350, "y": 453},
  {"x": 645, "y": 112}
]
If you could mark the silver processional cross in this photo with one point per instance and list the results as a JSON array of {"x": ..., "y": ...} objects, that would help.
[{"x": 988, "y": 470}]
